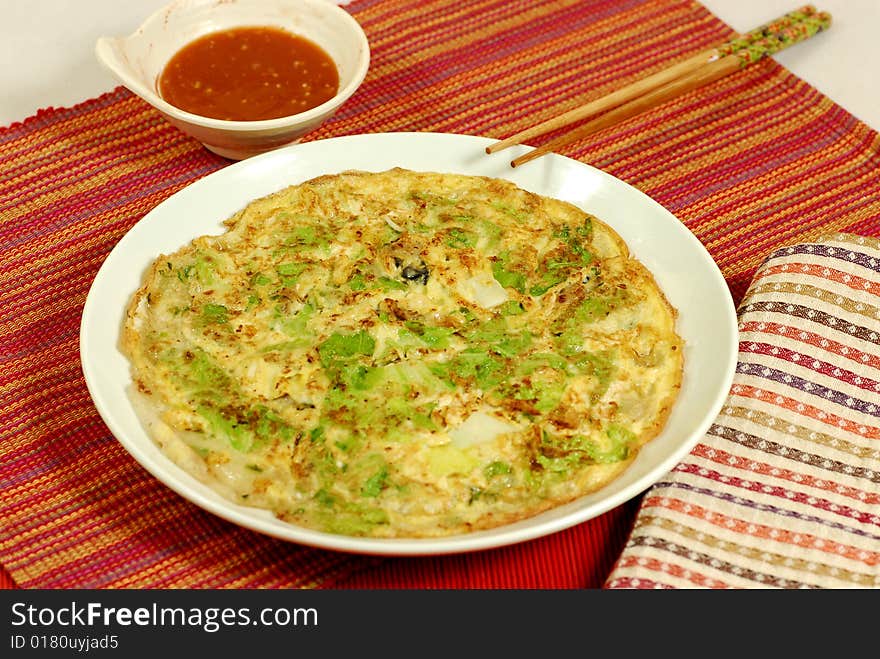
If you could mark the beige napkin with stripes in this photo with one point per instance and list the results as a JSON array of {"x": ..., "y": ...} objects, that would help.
[{"x": 784, "y": 489}]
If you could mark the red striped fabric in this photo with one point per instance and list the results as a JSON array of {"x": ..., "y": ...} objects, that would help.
[
  {"x": 782, "y": 491},
  {"x": 6, "y": 580},
  {"x": 756, "y": 160}
]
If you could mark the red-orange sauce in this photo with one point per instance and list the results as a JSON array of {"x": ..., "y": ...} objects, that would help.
[{"x": 248, "y": 74}]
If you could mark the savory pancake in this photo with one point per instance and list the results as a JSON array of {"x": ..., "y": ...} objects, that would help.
[{"x": 404, "y": 354}]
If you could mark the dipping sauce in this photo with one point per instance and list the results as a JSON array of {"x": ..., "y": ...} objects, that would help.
[{"x": 249, "y": 74}]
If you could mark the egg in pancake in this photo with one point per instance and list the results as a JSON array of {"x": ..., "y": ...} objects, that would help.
[{"x": 404, "y": 354}]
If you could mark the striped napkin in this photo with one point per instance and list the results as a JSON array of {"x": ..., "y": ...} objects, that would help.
[{"x": 784, "y": 489}]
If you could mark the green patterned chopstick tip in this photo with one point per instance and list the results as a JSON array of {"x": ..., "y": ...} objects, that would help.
[{"x": 769, "y": 39}]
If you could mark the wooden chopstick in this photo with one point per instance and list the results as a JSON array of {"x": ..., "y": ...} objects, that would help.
[
  {"x": 607, "y": 102},
  {"x": 701, "y": 76},
  {"x": 696, "y": 71}
]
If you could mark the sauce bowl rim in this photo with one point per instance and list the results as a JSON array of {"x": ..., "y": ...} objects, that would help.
[{"x": 108, "y": 52}]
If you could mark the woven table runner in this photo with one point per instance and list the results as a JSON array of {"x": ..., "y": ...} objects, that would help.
[
  {"x": 750, "y": 163},
  {"x": 784, "y": 489}
]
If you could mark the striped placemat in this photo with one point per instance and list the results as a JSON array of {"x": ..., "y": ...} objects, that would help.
[
  {"x": 784, "y": 489},
  {"x": 752, "y": 162}
]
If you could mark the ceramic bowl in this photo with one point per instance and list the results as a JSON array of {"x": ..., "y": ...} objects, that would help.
[
  {"x": 138, "y": 59},
  {"x": 682, "y": 266}
]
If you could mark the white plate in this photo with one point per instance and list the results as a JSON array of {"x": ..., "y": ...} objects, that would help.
[{"x": 680, "y": 263}]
